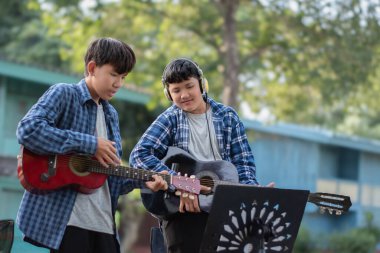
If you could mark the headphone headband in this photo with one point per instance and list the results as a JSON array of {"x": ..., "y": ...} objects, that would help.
[
  {"x": 202, "y": 81},
  {"x": 199, "y": 70}
]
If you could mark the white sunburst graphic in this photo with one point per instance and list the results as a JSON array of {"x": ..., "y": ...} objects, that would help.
[{"x": 255, "y": 227}]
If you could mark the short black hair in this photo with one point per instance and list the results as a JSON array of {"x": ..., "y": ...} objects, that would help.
[
  {"x": 111, "y": 51},
  {"x": 179, "y": 70}
]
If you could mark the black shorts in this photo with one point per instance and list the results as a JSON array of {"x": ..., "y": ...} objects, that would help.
[
  {"x": 184, "y": 232},
  {"x": 78, "y": 240}
]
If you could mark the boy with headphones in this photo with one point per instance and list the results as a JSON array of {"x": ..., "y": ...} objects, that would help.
[{"x": 207, "y": 130}]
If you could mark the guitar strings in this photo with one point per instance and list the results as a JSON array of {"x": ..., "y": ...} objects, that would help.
[
  {"x": 92, "y": 165},
  {"x": 95, "y": 166},
  {"x": 333, "y": 205}
]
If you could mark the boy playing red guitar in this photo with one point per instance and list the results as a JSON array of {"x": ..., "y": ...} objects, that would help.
[{"x": 77, "y": 118}]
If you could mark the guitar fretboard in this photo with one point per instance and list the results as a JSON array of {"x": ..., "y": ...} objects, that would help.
[{"x": 128, "y": 172}]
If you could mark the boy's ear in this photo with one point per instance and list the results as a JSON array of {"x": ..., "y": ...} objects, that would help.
[{"x": 91, "y": 67}]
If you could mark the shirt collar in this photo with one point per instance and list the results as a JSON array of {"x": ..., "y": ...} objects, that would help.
[
  {"x": 84, "y": 92},
  {"x": 85, "y": 95}
]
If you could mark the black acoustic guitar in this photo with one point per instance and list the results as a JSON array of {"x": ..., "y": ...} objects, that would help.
[{"x": 212, "y": 173}]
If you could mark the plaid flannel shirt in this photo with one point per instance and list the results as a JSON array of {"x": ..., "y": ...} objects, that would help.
[
  {"x": 171, "y": 128},
  {"x": 63, "y": 121}
]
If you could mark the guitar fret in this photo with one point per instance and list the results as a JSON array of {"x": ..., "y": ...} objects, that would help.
[
  {"x": 137, "y": 174},
  {"x": 121, "y": 171}
]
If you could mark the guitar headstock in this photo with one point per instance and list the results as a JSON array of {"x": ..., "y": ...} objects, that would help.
[
  {"x": 188, "y": 184},
  {"x": 333, "y": 203}
]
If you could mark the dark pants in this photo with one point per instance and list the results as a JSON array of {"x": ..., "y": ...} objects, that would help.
[
  {"x": 184, "y": 232},
  {"x": 78, "y": 240}
]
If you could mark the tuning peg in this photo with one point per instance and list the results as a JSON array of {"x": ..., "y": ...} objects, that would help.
[
  {"x": 191, "y": 196},
  {"x": 179, "y": 173},
  {"x": 192, "y": 176},
  {"x": 185, "y": 195},
  {"x": 178, "y": 193},
  {"x": 322, "y": 210},
  {"x": 330, "y": 211},
  {"x": 185, "y": 174},
  {"x": 338, "y": 212}
]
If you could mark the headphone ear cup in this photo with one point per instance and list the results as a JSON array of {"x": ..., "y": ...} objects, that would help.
[
  {"x": 204, "y": 85},
  {"x": 167, "y": 94}
]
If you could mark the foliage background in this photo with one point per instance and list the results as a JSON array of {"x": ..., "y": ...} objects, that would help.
[{"x": 309, "y": 62}]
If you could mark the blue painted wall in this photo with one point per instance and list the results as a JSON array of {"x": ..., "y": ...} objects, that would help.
[
  {"x": 296, "y": 157},
  {"x": 10, "y": 197}
]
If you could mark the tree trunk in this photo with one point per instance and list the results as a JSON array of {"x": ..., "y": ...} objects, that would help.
[
  {"x": 131, "y": 217},
  {"x": 230, "y": 52}
]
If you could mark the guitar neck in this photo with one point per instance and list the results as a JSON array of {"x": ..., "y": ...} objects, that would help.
[{"x": 128, "y": 172}]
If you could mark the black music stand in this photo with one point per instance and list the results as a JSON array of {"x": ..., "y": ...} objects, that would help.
[{"x": 253, "y": 219}]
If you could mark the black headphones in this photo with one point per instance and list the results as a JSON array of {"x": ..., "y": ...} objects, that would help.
[{"x": 203, "y": 84}]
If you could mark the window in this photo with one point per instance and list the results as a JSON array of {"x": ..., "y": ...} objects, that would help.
[{"x": 347, "y": 163}]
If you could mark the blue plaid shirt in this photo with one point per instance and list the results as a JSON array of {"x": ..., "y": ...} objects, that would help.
[
  {"x": 63, "y": 121},
  {"x": 171, "y": 128}
]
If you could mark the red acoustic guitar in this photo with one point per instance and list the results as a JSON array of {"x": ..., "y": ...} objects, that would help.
[{"x": 44, "y": 173}]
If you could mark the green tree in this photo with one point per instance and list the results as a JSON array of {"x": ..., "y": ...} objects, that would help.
[
  {"x": 355, "y": 241},
  {"x": 360, "y": 240},
  {"x": 307, "y": 62},
  {"x": 24, "y": 37},
  {"x": 304, "y": 242}
]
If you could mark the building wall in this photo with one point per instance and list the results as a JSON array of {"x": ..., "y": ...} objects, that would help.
[
  {"x": 328, "y": 158},
  {"x": 10, "y": 196},
  {"x": 19, "y": 99},
  {"x": 15, "y": 100},
  {"x": 370, "y": 186},
  {"x": 297, "y": 163},
  {"x": 2, "y": 109},
  {"x": 291, "y": 163}
]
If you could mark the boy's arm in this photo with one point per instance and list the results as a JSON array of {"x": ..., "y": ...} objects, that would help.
[
  {"x": 37, "y": 131},
  {"x": 153, "y": 146},
  {"x": 242, "y": 156}
]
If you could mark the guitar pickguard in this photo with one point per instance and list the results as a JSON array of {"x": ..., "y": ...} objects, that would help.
[{"x": 52, "y": 169}]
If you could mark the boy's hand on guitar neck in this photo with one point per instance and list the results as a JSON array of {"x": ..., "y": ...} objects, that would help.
[
  {"x": 106, "y": 153},
  {"x": 158, "y": 183}
]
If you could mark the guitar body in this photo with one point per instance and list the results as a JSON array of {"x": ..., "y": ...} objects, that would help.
[
  {"x": 64, "y": 172},
  {"x": 210, "y": 173}
]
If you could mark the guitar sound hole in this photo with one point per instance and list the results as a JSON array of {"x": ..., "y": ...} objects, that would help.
[
  {"x": 207, "y": 181},
  {"x": 79, "y": 165}
]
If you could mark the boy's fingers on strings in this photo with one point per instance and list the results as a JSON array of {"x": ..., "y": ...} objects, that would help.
[
  {"x": 102, "y": 162},
  {"x": 159, "y": 183}
]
